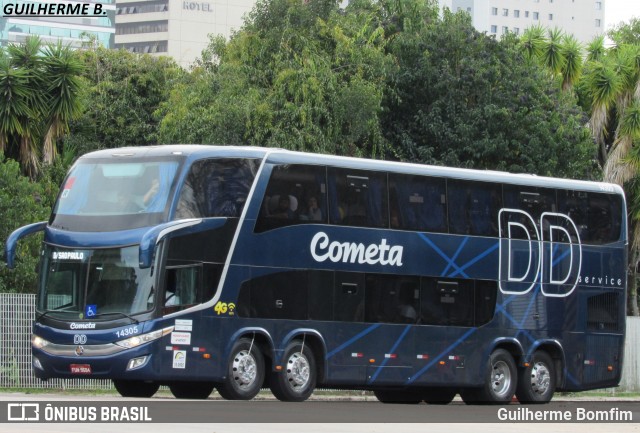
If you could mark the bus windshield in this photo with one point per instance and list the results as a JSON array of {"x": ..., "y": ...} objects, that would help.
[
  {"x": 91, "y": 283},
  {"x": 120, "y": 194}
]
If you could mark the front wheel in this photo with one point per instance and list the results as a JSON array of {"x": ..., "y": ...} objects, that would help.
[
  {"x": 136, "y": 388},
  {"x": 298, "y": 380},
  {"x": 245, "y": 372},
  {"x": 537, "y": 382},
  {"x": 499, "y": 383}
]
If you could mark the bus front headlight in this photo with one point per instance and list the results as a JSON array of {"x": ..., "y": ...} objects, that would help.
[
  {"x": 137, "y": 340},
  {"x": 38, "y": 342}
]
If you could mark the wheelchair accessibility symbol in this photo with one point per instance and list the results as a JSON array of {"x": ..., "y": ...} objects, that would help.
[{"x": 90, "y": 310}]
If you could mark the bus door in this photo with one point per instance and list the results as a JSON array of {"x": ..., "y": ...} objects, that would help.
[
  {"x": 393, "y": 302},
  {"x": 351, "y": 342}
]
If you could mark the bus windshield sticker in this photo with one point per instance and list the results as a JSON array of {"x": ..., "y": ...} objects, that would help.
[
  {"x": 183, "y": 325},
  {"x": 181, "y": 338}
]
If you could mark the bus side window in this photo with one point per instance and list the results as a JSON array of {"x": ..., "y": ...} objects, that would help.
[
  {"x": 358, "y": 198},
  {"x": 418, "y": 203},
  {"x": 392, "y": 299},
  {"x": 216, "y": 188},
  {"x": 182, "y": 287},
  {"x": 474, "y": 207},
  {"x": 296, "y": 194},
  {"x": 596, "y": 215}
]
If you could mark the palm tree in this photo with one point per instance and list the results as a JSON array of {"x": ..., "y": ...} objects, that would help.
[
  {"x": 603, "y": 86},
  {"x": 533, "y": 42},
  {"x": 595, "y": 49},
  {"x": 63, "y": 68},
  {"x": 26, "y": 57},
  {"x": 552, "y": 56},
  {"x": 571, "y": 51},
  {"x": 14, "y": 101}
]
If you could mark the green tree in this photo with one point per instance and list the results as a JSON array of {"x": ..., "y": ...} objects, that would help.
[
  {"x": 40, "y": 96},
  {"x": 461, "y": 98},
  {"x": 21, "y": 202},
  {"x": 121, "y": 91},
  {"x": 299, "y": 75}
]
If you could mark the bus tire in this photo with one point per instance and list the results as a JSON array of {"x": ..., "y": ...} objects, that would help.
[
  {"x": 500, "y": 378},
  {"x": 398, "y": 397},
  {"x": 537, "y": 382},
  {"x": 439, "y": 395},
  {"x": 191, "y": 390},
  {"x": 297, "y": 381},
  {"x": 245, "y": 372},
  {"x": 135, "y": 388}
]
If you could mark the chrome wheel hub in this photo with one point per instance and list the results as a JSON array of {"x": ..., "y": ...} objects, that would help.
[
  {"x": 540, "y": 378},
  {"x": 244, "y": 369},
  {"x": 298, "y": 371},
  {"x": 500, "y": 378}
]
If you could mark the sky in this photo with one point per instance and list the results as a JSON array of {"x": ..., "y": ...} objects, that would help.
[{"x": 616, "y": 11}]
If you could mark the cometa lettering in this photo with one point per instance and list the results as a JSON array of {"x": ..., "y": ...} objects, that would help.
[
  {"x": 75, "y": 325},
  {"x": 323, "y": 249}
]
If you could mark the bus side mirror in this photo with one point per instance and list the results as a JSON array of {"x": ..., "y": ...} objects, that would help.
[
  {"x": 152, "y": 237},
  {"x": 15, "y": 236}
]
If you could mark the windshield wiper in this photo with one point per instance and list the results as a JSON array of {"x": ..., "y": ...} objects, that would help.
[{"x": 134, "y": 320}]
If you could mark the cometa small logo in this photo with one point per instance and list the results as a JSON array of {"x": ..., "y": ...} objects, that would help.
[{"x": 52, "y": 9}]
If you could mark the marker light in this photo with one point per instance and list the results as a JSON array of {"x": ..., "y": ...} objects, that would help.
[
  {"x": 38, "y": 342},
  {"x": 136, "y": 341},
  {"x": 137, "y": 362},
  {"x": 37, "y": 364}
]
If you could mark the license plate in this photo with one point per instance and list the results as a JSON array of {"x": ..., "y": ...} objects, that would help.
[{"x": 80, "y": 368}]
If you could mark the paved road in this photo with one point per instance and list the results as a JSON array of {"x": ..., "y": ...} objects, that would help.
[{"x": 317, "y": 416}]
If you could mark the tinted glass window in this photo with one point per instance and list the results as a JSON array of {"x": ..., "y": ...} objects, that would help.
[
  {"x": 216, "y": 188},
  {"x": 447, "y": 302},
  {"x": 474, "y": 208},
  {"x": 358, "y": 198},
  {"x": 534, "y": 202},
  {"x": 392, "y": 299},
  {"x": 296, "y": 194},
  {"x": 418, "y": 203},
  {"x": 597, "y": 216},
  {"x": 282, "y": 295}
]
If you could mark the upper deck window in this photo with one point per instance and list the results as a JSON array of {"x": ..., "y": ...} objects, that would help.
[{"x": 216, "y": 188}]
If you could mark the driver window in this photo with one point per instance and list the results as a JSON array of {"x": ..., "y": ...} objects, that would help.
[{"x": 181, "y": 287}]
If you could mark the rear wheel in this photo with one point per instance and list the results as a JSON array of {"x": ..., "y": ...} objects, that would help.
[
  {"x": 537, "y": 382},
  {"x": 500, "y": 381},
  {"x": 191, "y": 390},
  {"x": 398, "y": 397},
  {"x": 245, "y": 372},
  {"x": 135, "y": 388},
  {"x": 297, "y": 381}
]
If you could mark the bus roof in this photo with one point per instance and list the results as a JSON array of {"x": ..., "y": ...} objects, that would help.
[{"x": 283, "y": 156}]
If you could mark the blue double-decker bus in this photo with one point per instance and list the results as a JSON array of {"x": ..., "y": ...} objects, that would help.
[{"x": 238, "y": 268}]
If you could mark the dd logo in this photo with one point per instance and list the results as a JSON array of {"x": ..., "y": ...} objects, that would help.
[
  {"x": 548, "y": 253},
  {"x": 80, "y": 339}
]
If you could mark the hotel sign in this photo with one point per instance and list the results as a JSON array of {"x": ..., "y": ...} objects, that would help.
[{"x": 197, "y": 6}]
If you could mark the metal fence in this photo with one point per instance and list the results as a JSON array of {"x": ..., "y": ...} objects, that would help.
[{"x": 17, "y": 312}]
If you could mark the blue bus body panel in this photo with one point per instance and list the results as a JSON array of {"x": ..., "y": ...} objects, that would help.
[{"x": 528, "y": 314}]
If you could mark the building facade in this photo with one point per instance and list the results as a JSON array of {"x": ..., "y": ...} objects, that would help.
[
  {"x": 582, "y": 18},
  {"x": 176, "y": 28},
  {"x": 74, "y": 30}
]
